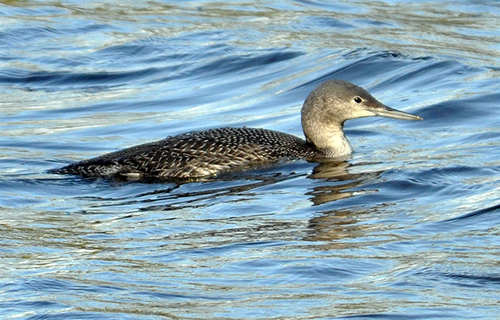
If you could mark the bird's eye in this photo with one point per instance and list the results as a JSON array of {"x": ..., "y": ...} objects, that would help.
[{"x": 358, "y": 100}]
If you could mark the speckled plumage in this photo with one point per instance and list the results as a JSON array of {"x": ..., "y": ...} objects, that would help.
[
  {"x": 209, "y": 153},
  {"x": 197, "y": 154}
]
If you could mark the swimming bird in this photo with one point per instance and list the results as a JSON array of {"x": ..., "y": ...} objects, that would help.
[{"x": 209, "y": 153}]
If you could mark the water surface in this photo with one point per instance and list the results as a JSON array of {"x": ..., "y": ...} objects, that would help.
[{"x": 408, "y": 227}]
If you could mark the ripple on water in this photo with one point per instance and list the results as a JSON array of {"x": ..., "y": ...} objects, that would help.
[{"x": 406, "y": 228}]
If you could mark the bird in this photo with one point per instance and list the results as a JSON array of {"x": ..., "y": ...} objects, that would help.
[{"x": 209, "y": 153}]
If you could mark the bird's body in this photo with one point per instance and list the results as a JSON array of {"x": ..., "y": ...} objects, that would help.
[
  {"x": 208, "y": 153},
  {"x": 197, "y": 154}
]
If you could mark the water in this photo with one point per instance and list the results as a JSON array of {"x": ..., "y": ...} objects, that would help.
[{"x": 408, "y": 227}]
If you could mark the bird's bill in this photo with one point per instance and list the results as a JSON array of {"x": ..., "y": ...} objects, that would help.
[{"x": 395, "y": 114}]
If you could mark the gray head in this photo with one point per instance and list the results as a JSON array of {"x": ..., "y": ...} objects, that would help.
[{"x": 332, "y": 103}]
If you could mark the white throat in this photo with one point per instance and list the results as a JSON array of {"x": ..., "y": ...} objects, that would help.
[{"x": 331, "y": 141}]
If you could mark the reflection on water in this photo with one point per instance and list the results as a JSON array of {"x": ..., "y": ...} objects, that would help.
[
  {"x": 405, "y": 228},
  {"x": 337, "y": 225},
  {"x": 345, "y": 182}
]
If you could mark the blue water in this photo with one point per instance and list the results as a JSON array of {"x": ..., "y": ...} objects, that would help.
[{"x": 408, "y": 227}]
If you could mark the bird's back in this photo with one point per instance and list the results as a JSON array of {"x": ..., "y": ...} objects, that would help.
[{"x": 196, "y": 154}]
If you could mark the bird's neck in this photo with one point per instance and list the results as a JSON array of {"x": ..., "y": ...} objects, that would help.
[{"x": 331, "y": 141}]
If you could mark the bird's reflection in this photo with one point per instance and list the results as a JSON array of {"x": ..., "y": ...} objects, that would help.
[
  {"x": 334, "y": 225},
  {"x": 331, "y": 181},
  {"x": 343, "y": 181}
]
